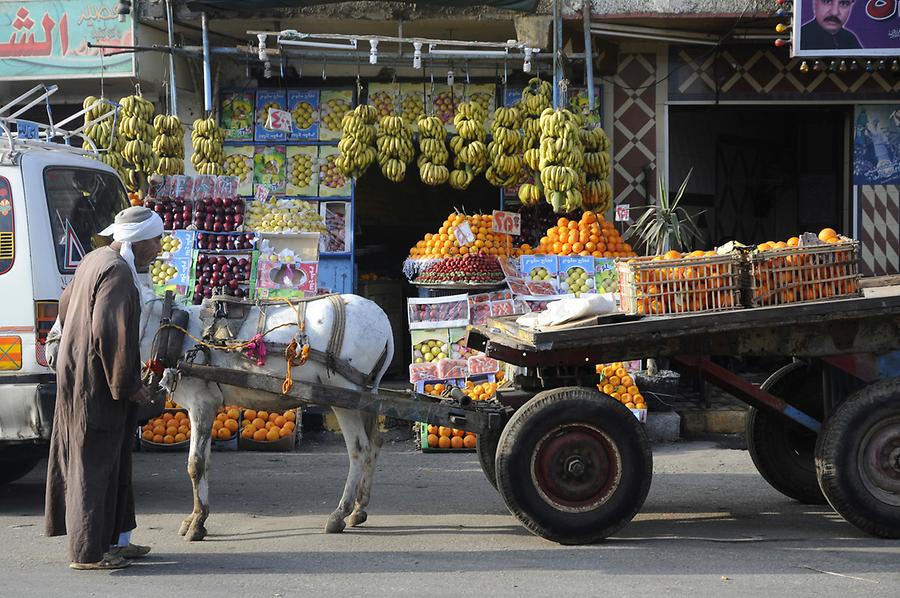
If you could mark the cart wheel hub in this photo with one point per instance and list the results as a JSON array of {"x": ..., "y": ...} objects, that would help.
[
  {"x": 879, "y": 461},
  {"x": 576, "y": 467}
]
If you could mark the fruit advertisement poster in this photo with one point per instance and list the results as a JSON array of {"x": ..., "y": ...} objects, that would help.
[
  {"x": 239, "y": 163},
  {"x": 303, "y": 104},
  {"x": 269, "y": 169},
  {"x": 238, "y": 108},
  {"x": 578, "y": 103},
  {"x": 606, "y": 277},
  {"x": 171, "y": 275},
  {"x": 384, "y": 97},
  {"x": 265, "y": 99},
  {"x": 446, "y": 100},
  {"x": 332, "y": 182},
  {"x": 179, "y": 244},
  {"x": 276, "y": 278},
  {"x": 483, "y": 94},
  {"x": 512, "y": 97},
  {"x": 333, "y": 105},
  {"x": 336, "y": 215},
  {"x": 302, "y": 171},
  {"x": 576, "y": 274}
]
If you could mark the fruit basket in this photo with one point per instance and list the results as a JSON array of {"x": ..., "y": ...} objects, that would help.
[
  {"x": 798, "y": 274},
  {"x": 265, "y": 431},
  {"x": 671, "y": 284},
  {"x": 171, "y": 431}
]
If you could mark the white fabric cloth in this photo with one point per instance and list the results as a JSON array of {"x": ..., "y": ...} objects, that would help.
[
  {"x": 131, "y": 226},
  {"x": 570, "y": 309}
]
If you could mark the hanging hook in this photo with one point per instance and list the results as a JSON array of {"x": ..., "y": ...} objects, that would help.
[{"x": 323, "y": 67}]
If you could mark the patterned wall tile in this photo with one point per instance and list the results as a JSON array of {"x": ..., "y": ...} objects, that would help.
[
  {"x": 879, "y": 229},
  {"x": 634, "y": 125}
]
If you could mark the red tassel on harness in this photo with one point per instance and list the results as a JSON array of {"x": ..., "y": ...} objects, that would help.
[
  {"x": 155, "y": 367},
  {"x": 256, "y": 349}
]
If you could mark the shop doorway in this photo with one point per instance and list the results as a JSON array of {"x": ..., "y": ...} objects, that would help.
[{"x": 761, "y": 173}]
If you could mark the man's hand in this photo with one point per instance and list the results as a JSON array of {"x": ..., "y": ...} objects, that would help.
[{"x": 142, "y": 396}]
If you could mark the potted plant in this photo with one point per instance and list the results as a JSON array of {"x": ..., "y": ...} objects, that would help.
[{"x": 663, "y": 226}]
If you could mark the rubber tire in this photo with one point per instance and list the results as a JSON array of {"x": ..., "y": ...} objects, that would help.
[
  {"x": 837, "y": 453},
  {"x": 543, "y": 413},
  {"x": 13, "y": 469},
  {"x": 486, "y": 449},
  {"x": 784, "y": 452}
]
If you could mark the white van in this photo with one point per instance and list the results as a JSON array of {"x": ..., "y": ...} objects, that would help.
[{"x": 53, "y": 201}]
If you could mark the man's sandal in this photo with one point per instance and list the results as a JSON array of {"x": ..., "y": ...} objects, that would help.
[
  {"x": 132, "y": 551},
  {"x": 108, "y": 563}
]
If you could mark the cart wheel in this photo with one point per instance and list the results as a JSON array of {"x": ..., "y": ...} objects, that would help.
[
  {"x": 783, "y": 451},
  {"x": 858, "y": 459},
  {"x": 486, "y": 448},
  {"x": 573, "y": 465}
]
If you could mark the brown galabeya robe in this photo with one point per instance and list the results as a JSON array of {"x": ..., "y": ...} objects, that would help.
[{"x": 98, "y": 371}]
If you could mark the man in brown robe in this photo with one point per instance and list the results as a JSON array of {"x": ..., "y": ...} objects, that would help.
[{"x": 98, "y": 369}]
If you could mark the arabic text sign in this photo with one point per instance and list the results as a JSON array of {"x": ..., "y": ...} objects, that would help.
[
  {"x": 507, "y": 223},
  {"x": 48, "y": 39},
  {"x": 846, "y": 28}
]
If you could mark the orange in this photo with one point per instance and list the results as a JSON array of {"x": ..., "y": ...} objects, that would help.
[
  {"x": 432, "y": 429},
  {"x": 273, "y": 416},
  {"x": 221, "y": 417},
  {"x": 263, "y": 415},
  {"x": 147, "y": 436},
  {"x": 233, "y": 413},
  {"x": 167, "y": 439},
  {"x": 444, "y": 442},
  {"x": 180, "y": 437},
  {"x": 459, "y": 433},
  {"x": 827, "y": 233},
  {"x": 291, "y": 416},
  {"x": 223, "y": 434},
  {"x": 248, "y": 432},
  {"x": 167, "y": 416},
  {"x": 469, "y": 441},
  {"x": 630, "y": 405},
  {"x": 445, "y": 432},
  {"x": 158, "y": 438},
  {"x": 284, "y": 432},
  {"x": 290, "y": 425},
  {"x": 180, "y": 416},
  {"x": 456, "y": 442},
  {"x": 183, "y": 429},
  {"x": 259, "y": 435},
  {"x": 272, "y": 435},
  {"x": 433, "y": 440},
  {"x": 249, "y": 414},
  {"x": 562, "y": 222},
  {"x": 259, "y": 422},
  {"x": 216, "y": 425},
  {"x": 231, "y": 425}
]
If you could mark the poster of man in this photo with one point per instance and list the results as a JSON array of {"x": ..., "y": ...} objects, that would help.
[{"x": 846, "y": 28}]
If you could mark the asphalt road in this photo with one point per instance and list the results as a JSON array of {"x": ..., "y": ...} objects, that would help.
[{"x": 711, "y": 526}]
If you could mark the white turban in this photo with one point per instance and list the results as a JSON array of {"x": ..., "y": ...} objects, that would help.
[{"x": 130, "y": 226}]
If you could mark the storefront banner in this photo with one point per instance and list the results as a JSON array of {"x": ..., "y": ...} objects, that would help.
[
  {"x": 846, "y": 28},
  {"x": 48, "y": 40},
  {"x": 876, "y": 145}
]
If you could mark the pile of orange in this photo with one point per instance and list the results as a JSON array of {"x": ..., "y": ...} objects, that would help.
[
  {"x": 787, "y": 277},
  {"x": 590, "y": 236},
  {"x": 443, "y": 243},
  {"x": 450, "y": 438},
  {"x": 617, "y": 383},
  {"x": 169, "y": 428},
  {"x": 225, "y": 426},
  {"x": 661, "y": 287},
  {"x": 263, "y": 426},
  {"x": 480, "y": 392}
]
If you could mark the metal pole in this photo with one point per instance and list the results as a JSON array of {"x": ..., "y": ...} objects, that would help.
[
  {"x": 588, "y": 53},
  {"x": 170, "y": 25},
  {"x": 207, "y": 76},
  {"x": 557, "y": 35}
]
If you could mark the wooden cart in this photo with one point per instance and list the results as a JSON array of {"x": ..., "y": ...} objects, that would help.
[{"x": 574, "y": 465}]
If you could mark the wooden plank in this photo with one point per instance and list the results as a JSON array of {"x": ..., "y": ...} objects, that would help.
[{"x": 477, "y": 417}]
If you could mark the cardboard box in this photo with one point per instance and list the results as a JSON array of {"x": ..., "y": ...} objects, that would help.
[
  {"x": 302, "y": 171},
  {"x": 265, "y": 99},
  {"x": 303, "y": 104},
  {"x": 333, "y": 105},
  {"x": 238, "y": 110},
  {"x": 239, "y": 162},
  {"x": 269, "y": 168},
  {"x": 288, "y": 265},
  {"x": 576, "y": 274},
  {"x": 332, "y": 182}
]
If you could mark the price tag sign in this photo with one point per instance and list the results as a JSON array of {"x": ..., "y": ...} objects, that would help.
[
  {"x": 278, "y": 120},
  {"x": 25, "y": 129},
  {"x": 507, "y": 223},
  {"x": 262, "y": 193},
  {"x": 623, "y": 212},
  {"x": 464, "y": 234}
]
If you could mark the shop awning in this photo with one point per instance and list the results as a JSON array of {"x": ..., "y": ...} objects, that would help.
[{"x": 254, "y": 6}]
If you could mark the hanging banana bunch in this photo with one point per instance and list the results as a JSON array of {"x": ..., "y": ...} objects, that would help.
[
  {"x": 357, "y": 144},
  {"x": 469, "y": 147},
  {"x": 137, "y": 134},
  {"x": 168, "y": 144},
  {"x": 536, "y": 97},
  {"x": 395, "y": 147},
  {"x": 433, "y": 145},
  {"x": 108, "y": 144},
  {"x": 597, "y": 190},
  {"x": 505, "y": 150},
  {"x": 561, "y": 160},
  {"x": 207, "y": 138}
]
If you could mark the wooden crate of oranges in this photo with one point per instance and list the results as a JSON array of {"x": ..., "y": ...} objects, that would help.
[
  {"x": 697, "y": 282},
  {"x": 440, "y": 438},
  {"x": 811, "y": 269},
  {"x": 268, "y": 431}
]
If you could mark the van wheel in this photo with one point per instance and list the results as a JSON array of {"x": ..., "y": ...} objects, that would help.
[{"x": 13, "y": 469}]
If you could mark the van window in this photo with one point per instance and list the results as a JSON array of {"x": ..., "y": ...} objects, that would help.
[{"x": 82, "y": 202}]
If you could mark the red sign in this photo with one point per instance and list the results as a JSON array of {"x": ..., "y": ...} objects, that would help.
[
  {"x": 623, "y": 212},
  {"x": 278, "y": 120},
  {"x": 507, "y": 223}
]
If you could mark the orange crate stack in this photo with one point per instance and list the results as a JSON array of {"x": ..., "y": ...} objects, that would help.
[
  {"x": 796, "y": 274},
  {"x": 699, "y": 282}
]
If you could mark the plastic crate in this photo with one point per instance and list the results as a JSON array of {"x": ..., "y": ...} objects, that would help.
[
  {"x": 652, "y": 286},
  {"x": 423, "y": 443},
  {"x": 800, "y": 274}
]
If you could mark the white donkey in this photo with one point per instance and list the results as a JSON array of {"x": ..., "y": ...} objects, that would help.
[{"x": 367, "y": 345}]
